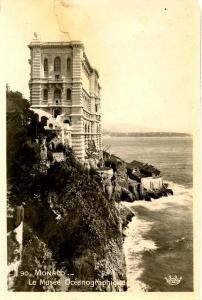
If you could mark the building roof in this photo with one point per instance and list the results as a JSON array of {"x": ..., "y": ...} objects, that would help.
[{"x": 37, "y": 43}]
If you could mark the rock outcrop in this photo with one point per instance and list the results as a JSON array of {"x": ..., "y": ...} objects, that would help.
[{"x": 132, "y": 181}]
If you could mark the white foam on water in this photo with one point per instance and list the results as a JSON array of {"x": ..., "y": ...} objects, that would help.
[
  {"x": 135, "y": 245},
  {"x": 182, "y": 196}
]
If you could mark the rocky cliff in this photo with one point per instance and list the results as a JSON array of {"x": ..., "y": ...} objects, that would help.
[{"x": 71, "y": 225}]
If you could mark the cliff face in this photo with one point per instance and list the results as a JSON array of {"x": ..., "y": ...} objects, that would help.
[
  {"x": 70, "y": 224},
  {"x": 38, "y": 259},
  {"x": 75, "y": 227},
  {"x": 123, "y": 188}
]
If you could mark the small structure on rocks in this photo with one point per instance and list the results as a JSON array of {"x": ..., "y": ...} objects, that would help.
[{"x": 133, "y": 181}]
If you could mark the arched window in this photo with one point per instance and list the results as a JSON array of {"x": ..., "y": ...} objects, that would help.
[
  {"x": 45, "y": 94},
  {"x": 45, "y": 65},
  {"x": 57, "y": 64},
  {"x": 44, "y": 120},
  {"x": 69, "y": 64},
  {"x": 69, "y": 94},
  {"x": 57, "y": 96}
]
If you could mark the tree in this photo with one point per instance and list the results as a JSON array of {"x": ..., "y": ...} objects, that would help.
[{"x": 22, "y": 151}]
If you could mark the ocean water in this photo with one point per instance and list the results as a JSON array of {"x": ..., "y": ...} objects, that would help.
[{"x": 159, "y": 240}]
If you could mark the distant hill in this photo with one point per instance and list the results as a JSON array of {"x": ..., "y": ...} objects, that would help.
[{"x": 143, "y": 134}]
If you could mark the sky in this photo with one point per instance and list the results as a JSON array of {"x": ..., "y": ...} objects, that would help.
[{"x": 146, "y": 52}]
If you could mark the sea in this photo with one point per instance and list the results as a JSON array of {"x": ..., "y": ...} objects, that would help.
[{"x": 159, "y": 241}]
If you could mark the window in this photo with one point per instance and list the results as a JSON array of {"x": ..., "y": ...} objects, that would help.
[
  {"x": 69, "y": 94},
  {"x": 45, "y": 94},
  {"x": 44, "y": 120},
  {"x": 57, "y": 64},
  {"x": 57, "y": 77},
  {"x": 68, "y": 64},
  {"x": 56, "y": 113},
  {"x": 57, "y": 96},
  {"x": 45, "y": 65}
]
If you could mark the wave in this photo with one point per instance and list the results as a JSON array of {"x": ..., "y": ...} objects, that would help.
[{"x": 135, "y": 245}]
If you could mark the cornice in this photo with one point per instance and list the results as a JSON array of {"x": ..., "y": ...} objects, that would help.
[{"x": 42, "y": 45}]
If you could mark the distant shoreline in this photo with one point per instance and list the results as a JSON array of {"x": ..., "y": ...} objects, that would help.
[{"x": 106, "y": 133}]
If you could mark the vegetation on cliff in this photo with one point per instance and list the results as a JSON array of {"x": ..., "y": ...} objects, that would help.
[{"x": 66, "y": 211}]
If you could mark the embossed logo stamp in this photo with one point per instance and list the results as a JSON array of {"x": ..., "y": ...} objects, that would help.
[{"x": 173, "y": 280}]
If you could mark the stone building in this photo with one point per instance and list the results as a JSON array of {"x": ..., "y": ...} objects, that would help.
[{"x": 63, "y": 83}]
